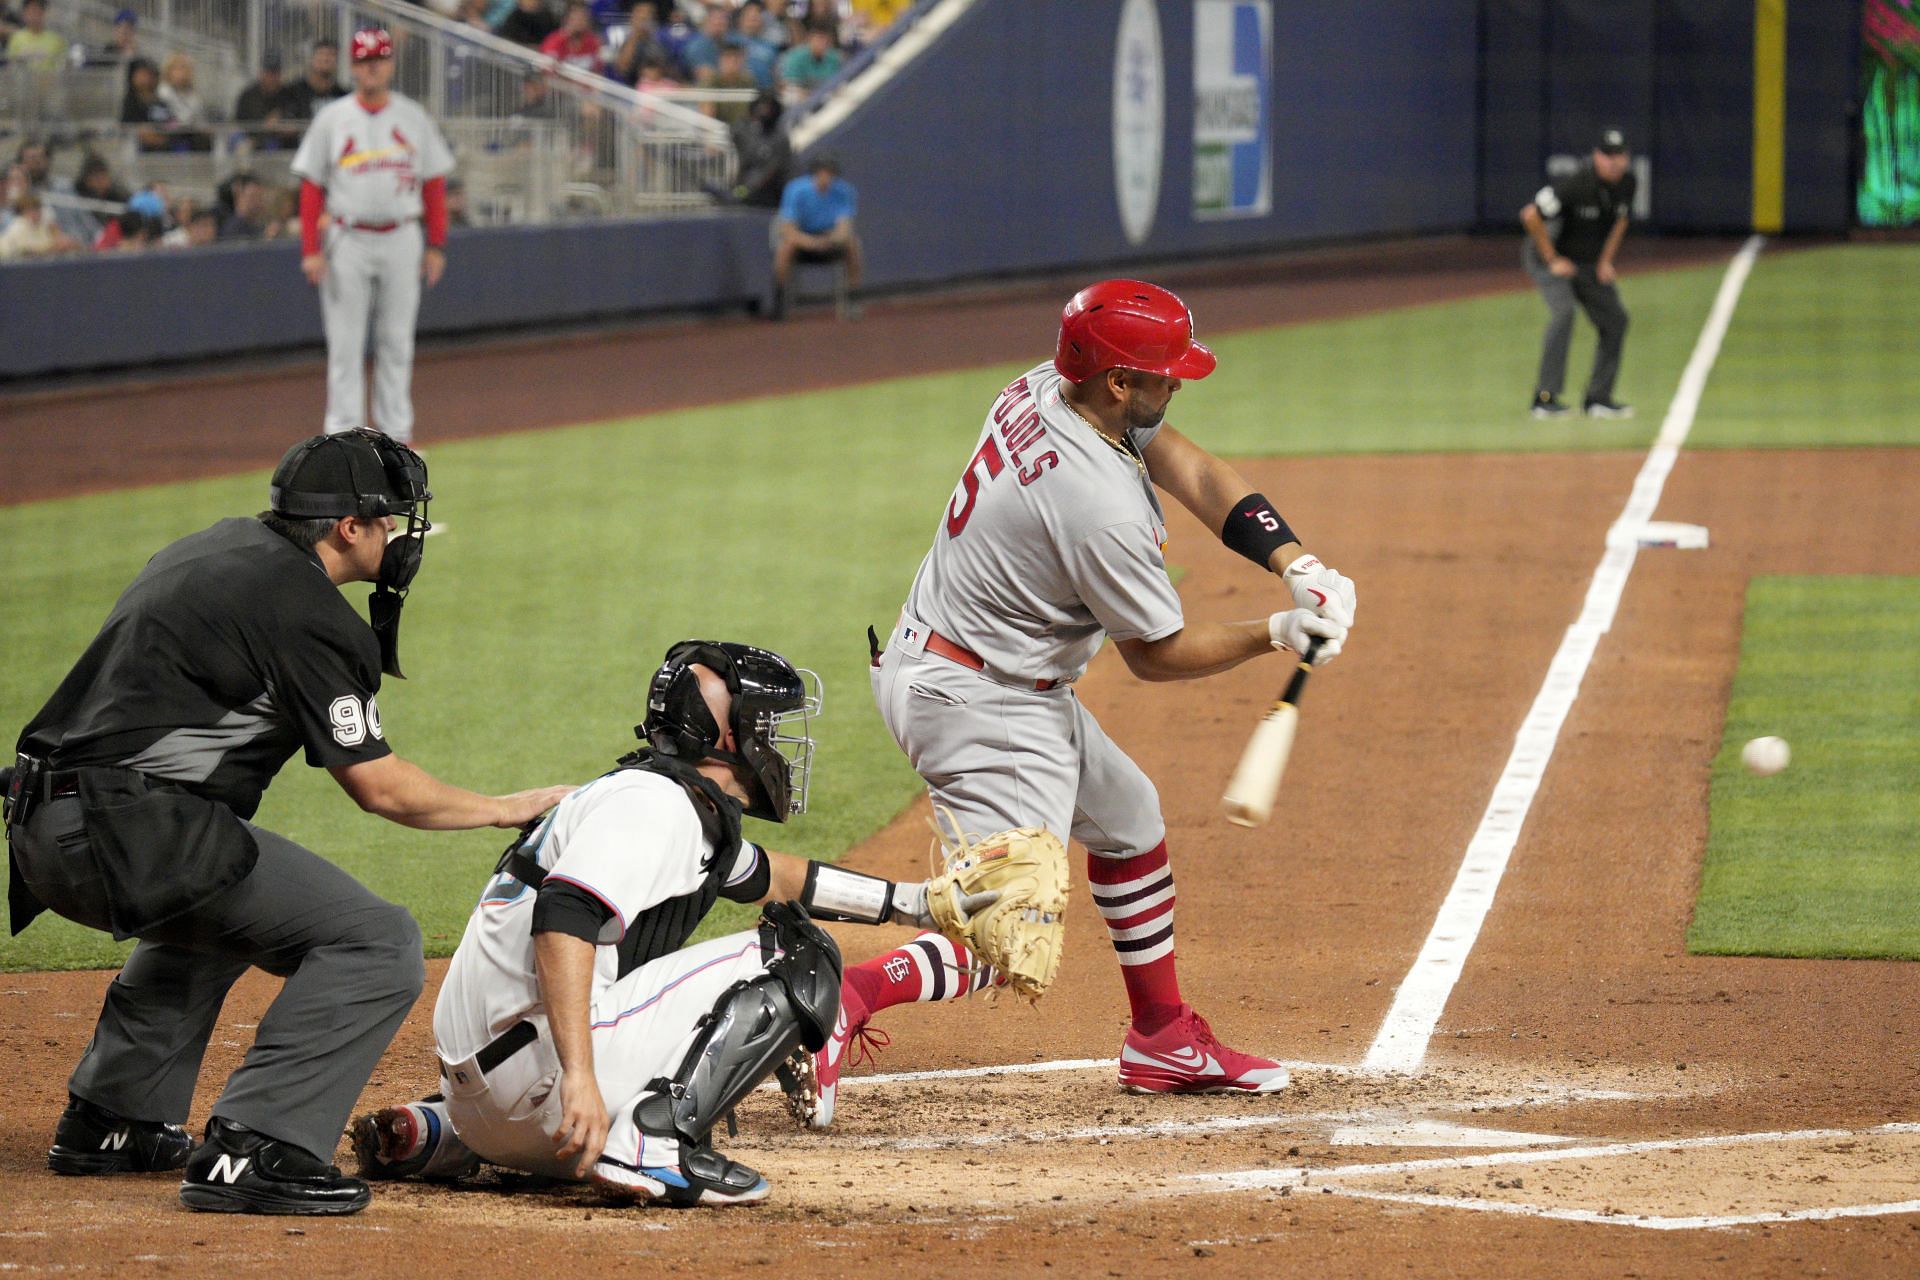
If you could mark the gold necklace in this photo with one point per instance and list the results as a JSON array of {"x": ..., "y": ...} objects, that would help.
[{"x": 1126, "y": 447}]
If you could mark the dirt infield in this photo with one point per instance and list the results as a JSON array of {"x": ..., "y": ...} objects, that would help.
[{"x": 1596, "y": 1101}]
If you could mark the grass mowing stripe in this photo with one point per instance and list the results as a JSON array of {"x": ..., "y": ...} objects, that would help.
[
  {"x": 1822, "y": 352},
  {"x": 1824, "y": 858}
]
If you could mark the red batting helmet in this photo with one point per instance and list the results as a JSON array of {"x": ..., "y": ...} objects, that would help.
[
  {"x": 1129, "y": 324},
  {"x": 373, "y": 42}
]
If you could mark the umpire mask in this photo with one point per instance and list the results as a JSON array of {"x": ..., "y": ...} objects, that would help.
[{"x": 366, "y": 474}]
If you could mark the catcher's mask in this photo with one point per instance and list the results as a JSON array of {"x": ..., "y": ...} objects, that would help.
[
  {"x": 366, "y": 474},
  {"x": 772, "y": 702}
]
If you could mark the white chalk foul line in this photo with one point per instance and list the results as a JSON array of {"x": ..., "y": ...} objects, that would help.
[{"x": 1401, "y": 1044}]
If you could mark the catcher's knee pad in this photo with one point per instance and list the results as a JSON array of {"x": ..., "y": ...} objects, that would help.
[
  {"x": 808, "y": 963},
  {"x": 754, "y": 1026}
]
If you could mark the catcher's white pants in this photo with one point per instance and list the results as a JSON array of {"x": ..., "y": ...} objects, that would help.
[
  {"x": 642, "y": 1027},
  {"x": 1000, "y": 756},
  {"x": 373, "y": 279}
]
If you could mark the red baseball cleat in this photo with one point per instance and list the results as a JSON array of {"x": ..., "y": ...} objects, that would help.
[{"x": 1184, "y": 1057}]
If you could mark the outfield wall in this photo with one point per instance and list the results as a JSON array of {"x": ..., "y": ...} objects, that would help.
[
  {"x": 1683, "y": 79},
  {"x": 1049, "y": 134},
  {"x": 111, "y": 310}
]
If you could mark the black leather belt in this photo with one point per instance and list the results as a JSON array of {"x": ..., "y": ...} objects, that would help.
[{"x": 506, "y": 1044}]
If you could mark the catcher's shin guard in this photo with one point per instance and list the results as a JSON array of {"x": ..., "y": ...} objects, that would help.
[{"x": 754, "y": 1027}]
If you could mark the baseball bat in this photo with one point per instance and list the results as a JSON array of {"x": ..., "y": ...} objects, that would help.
[{"x": 1256, "y": 779}]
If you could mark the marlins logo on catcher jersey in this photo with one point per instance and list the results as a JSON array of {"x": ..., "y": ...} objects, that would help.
[{"x": 372, "y": 163}]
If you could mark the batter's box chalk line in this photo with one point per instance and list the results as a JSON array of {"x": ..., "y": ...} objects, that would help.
[{"x": 1331, "y": 1179}]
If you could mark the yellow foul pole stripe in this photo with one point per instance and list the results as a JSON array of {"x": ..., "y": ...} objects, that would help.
[{"x": 1769, "y": 114}]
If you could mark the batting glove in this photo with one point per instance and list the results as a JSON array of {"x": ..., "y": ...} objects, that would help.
[
  {"x": 1322, "y": 590},
  {"x": 1297, "y": 628}
]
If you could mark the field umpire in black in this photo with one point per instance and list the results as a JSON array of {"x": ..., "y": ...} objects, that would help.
[
  {"x": 1574, "y": 228},
  {"x": 128, "y": 808}
]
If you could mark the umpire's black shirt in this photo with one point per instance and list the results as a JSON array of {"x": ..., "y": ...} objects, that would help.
[
  {"x": 1586, "y": 209},
  {"x": 230, "y": 651}
]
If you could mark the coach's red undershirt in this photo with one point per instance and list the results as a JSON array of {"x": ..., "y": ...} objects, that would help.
[{"x": 313, "y": 202}]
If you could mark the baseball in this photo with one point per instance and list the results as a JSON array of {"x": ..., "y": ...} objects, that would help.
[{"x": 1765, "y": 756}]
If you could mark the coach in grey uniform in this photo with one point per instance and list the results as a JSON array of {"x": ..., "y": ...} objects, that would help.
[
  {"x": 128, "y": 811},
  {"x": 1574, "y": 229}
]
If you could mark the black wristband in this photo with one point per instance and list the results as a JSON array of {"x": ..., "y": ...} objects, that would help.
[{"x": 1255, "y": 529}]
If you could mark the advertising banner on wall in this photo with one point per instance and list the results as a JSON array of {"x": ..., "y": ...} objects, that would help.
[{"x": 1232, "y": 92}]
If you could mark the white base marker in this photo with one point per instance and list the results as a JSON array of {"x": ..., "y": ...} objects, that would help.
[{"x": 1401, "y": 1045}]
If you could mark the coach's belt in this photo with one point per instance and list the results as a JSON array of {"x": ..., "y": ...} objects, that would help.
[
  {"x": 375, "y": 226},
  {"x": 939, "y": 644},
  {"x": 505, "y": 1045}
]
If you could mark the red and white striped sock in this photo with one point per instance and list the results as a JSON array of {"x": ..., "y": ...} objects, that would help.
[
  {"x": 931, "y": 967},
  {"x": 1135, "y": 896}
]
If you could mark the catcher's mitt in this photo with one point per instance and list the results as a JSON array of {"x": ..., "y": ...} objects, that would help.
[{"x": 1021, "y": 932}]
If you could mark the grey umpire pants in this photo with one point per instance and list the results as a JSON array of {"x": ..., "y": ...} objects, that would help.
[
  {"x": 351, "y": 960},
  {"x": 1602, "y": 304}
]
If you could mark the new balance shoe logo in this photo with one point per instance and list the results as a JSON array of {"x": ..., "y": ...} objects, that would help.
[
  {"x": 116, "y": 1140},
  {"x": 228, "y": 1170}
]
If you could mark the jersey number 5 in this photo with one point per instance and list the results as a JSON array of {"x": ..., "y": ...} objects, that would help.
[{"x": 960, "y": 510}]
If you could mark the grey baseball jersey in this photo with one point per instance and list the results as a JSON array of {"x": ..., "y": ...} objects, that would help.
[
  {"x": 372, "y": 164},
  {"x": 1052, "y": 540}
]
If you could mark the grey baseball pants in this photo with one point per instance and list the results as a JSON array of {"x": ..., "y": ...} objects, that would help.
[
  {"x": 1602, "y": 304},
  {"x": 351, "y": 960}
]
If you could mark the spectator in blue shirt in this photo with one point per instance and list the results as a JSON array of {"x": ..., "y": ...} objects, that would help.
[
  {"x": 752, "y": 35},
  {"x": 702, "y": 52},
  {"x": 815, "y": 225}
]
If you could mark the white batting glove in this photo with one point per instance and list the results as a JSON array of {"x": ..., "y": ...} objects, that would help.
[
  {"x": 1297, "y": 628},
  {"x": 1316, "y": 587}
]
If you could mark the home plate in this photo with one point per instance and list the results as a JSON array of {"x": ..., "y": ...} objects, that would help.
[{"x": 1437, "y": 1133}]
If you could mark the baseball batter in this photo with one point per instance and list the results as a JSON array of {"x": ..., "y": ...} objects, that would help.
[
  {"x": 1051, "y": 543},
  {"x": 578, "y": 1036},
  {"x": 375, "y": 164}
]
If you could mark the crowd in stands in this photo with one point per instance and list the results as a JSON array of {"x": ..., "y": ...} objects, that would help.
[
  {"x": 776, "y": 52},
  {"x": 46, "y": 215},
  {"x": 788, "y": 47}
]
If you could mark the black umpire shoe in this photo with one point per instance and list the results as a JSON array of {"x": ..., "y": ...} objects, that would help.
[
  {"x": 240, "y": 1170},
  {"x": 1548, "y": 406},
  {"x": 92, "y": 1139},
  {"x": 1608, "y": 409}
]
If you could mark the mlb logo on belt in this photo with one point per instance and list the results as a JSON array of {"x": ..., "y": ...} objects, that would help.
[{"x": 907, "y": 634}]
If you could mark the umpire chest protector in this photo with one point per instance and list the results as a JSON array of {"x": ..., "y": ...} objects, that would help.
[{"x": 663, "y": 928}]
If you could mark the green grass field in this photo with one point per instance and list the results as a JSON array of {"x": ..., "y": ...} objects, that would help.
[
  {"x": 1822, "y": 859},
  {"x": 573, "y": 557}
]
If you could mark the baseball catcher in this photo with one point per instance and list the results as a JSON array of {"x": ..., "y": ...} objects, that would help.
[{"x": 579, "y": 1037}]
